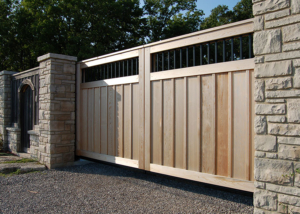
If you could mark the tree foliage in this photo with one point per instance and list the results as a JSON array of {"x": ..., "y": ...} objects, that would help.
[{"x": 88, "y": 28}]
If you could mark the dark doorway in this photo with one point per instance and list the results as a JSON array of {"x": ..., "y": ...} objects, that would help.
[{"x": 26, "y": 120}]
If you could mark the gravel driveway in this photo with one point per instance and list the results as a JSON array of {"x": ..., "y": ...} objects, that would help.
[{"x": 100, "y": 188}]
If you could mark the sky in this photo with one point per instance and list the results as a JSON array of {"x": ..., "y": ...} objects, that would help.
[{"x": 208, "y": 5}]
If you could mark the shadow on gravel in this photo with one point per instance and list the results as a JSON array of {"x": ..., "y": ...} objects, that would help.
[{"x": 100, "y": 168}]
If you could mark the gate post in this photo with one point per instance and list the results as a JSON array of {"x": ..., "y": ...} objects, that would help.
[
  {"x": 57, "y": 109},
  {"x": 5, "y": 105},
  {"x": 277, "y": 95}
]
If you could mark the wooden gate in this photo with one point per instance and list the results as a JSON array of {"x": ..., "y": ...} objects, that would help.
[{"x": 170, "y": 107}]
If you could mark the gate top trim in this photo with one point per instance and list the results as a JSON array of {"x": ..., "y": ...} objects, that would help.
[{"x": 27, "y": 73}]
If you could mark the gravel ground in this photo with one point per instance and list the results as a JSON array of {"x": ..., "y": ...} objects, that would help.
[{"x": 100, "y": 188}]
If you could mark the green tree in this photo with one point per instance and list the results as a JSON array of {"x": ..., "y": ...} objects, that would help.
[{"x": 165, "y": 18}]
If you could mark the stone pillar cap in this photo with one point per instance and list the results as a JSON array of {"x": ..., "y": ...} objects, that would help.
[
  {"x": 7, "y": 72},
  {"x": 56, "y": 56}
]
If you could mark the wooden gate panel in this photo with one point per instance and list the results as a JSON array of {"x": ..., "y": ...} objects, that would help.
[{"x": 135, "y": 120}]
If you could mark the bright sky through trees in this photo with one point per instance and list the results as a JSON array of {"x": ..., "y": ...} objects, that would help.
[{"x": 208, "y": 5}]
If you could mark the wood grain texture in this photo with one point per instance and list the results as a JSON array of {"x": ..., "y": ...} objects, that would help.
[
  {"x": 97, "y": 121},
  {"x": 119, "y": 121},
  {"x": 128, "y": 121},
  {"x": 111, "y": 120},
  {"x": 222, "y": 125},
  {"x": 135, "y": 121},
  {"x": 252, "y": 117},
  {"x": 84, "y": 119},
  {"x": 103, "y": 129},
  {"x": 90, "y": 120}
]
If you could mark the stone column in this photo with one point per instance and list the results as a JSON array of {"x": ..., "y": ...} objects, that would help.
[
  {"x": 277, "y": 95},
  {"x": 57, "y": 110},
  {"x": 5, "y": 105}
]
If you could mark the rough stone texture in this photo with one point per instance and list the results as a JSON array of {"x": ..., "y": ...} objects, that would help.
[
  {"x": 269, "y": 5},
  {"x": 57, "y": 110},
  {"x": 297, "y": 78},
  {"x": 260, "y": 154},
  {"x": 292, "y": 200},
  {"x": 271, "y": 155},
  {"x": 282, "y": 22},
  {"x": 259, "y": 59},
  {"x": 295, "y": 5},
  {"x": 260, "y": 185},
  {"x": 293, "y": 111},
  {"x": 291, "y": 32},
  {"x": 14, "y": 139},
  {"x": 291, "y": 46},
  {"x": 270, "y": 109},
  {"x": 296, "y": 63},
  {"x": 260, "y": 125},
  {"x": 265, "y": 199},
  {"x": 259, "y": 93},
  {"x": 288, "y": 152},
  {"x": 273, "y": 69},
  {"x": 259, "y": 23},
  {"x": 34, "y": 143},
  {"x": 282, "y": 94},
  {"x": 276, "y": 119},
  {"x": 276, "y": 15},
  {"x": 265, "y": 143},
  {"x": 267, "y": 42},
  {"x": 282, "y": 56},
  {"x": 284, "y": 129},
  {"x": 289, "y": 140},
  {"x": 272, "y": 171},
  {"x": 275, "y": 100},
  {"x": 5, "y": 105},
  {"x": 279, "y": 83},
  {"x": 283, "y": 189}
]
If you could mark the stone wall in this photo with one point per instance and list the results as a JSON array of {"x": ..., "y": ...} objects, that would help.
[
  {"x": 57, "y": 110},
  {"x": 5, "y": 105},
  {"x": 14, "y": 139},
  {"x": 277, "y": 95},
  {"x": 34, "y": 142}
]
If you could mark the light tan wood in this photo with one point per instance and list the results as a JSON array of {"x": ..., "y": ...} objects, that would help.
[
  {"x": 90, "y": 120},
  {"x": 109, "y": 158},
  {"x": 179, "y": 114},
  {"x": 193, "y": 123},
  {"x": 222, "y": 124},
  {"x": 156, "y": 122},
  {"x": 84, "y": 119},
  {"x": 204, "y": 69},
  {"x": 119, "y": 120},
  {"x": 111, "y": 120},
  {"x": 243, "y": 27},
  {"x": 248, "y": 119},
  {"x": 252, "y": 133},
  {"x": 240, "y": 115},
  {"x": 204, "y": 177},
  {"x": 135, "y": 121},
  {"x": 78, "y": 106},
  {"x": 208, "y": 124},
  {"x": 97, "y": 121},
  {"x": 128, "y": 121},
  {"x": 111, "y": 82},
  {"x": 108, "y": 59},
  {"x": 185, "y": 131},
  {"x": 148, "y": 109},
  {"x": 168, "y": 122},
  {"x": 103, "y": 129},
  {"x": 141, "y": 118},
  {"x": 230, "y": 121}
]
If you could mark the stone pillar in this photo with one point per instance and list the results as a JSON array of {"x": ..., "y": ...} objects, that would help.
[
  {"x": 277, "y": 95},
  {"x": 57, "y": 110},
  {"x": 5, "y": 105}
]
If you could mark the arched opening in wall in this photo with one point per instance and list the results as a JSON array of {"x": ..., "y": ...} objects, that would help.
[{"x": 26, "y": 116}]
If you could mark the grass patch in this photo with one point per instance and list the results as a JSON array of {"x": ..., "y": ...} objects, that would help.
[
  {"x": 18, "y": 172},
  {"x": 24, "y": 160}
]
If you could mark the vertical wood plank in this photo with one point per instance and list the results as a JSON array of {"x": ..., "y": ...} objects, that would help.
[
  {"x": 208, "y": 124},
  {"x": 230, "y": 129},
  {"x": 103, "y": 116},
  {"x": 179, "y": 128},
  {"x": 135, "y": 121},
  {"x": 248, "y": 131},
  {"x": 110, "y": 120},
  {"x": 185, "y": 123},
  {"x": 240, "y": 129},
  {"x": 147, "y": 109},
  {"x": 141, "y": 131},
  {"x": 97, "y": 121},
  {"x": 119, "y": 120},
  {"x": 78, "y": 105},
  {"x": 84, "y": 119},
  {"x": 156, "y": 122},
  {"x": 252, "y": 114},
  {"x": 193, "y": 122},
  {"x": 168, "y": 122},
  {"x": 90, "y": 119},
  {"x": 128, "y": 121},
  {"x": 222, "y": 124}
]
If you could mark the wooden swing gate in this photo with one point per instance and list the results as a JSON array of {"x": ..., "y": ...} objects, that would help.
[{"x": 181, "y": 107}]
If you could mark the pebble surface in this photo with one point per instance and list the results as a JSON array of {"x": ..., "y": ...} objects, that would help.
[{"x": 101, "y": 188}]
